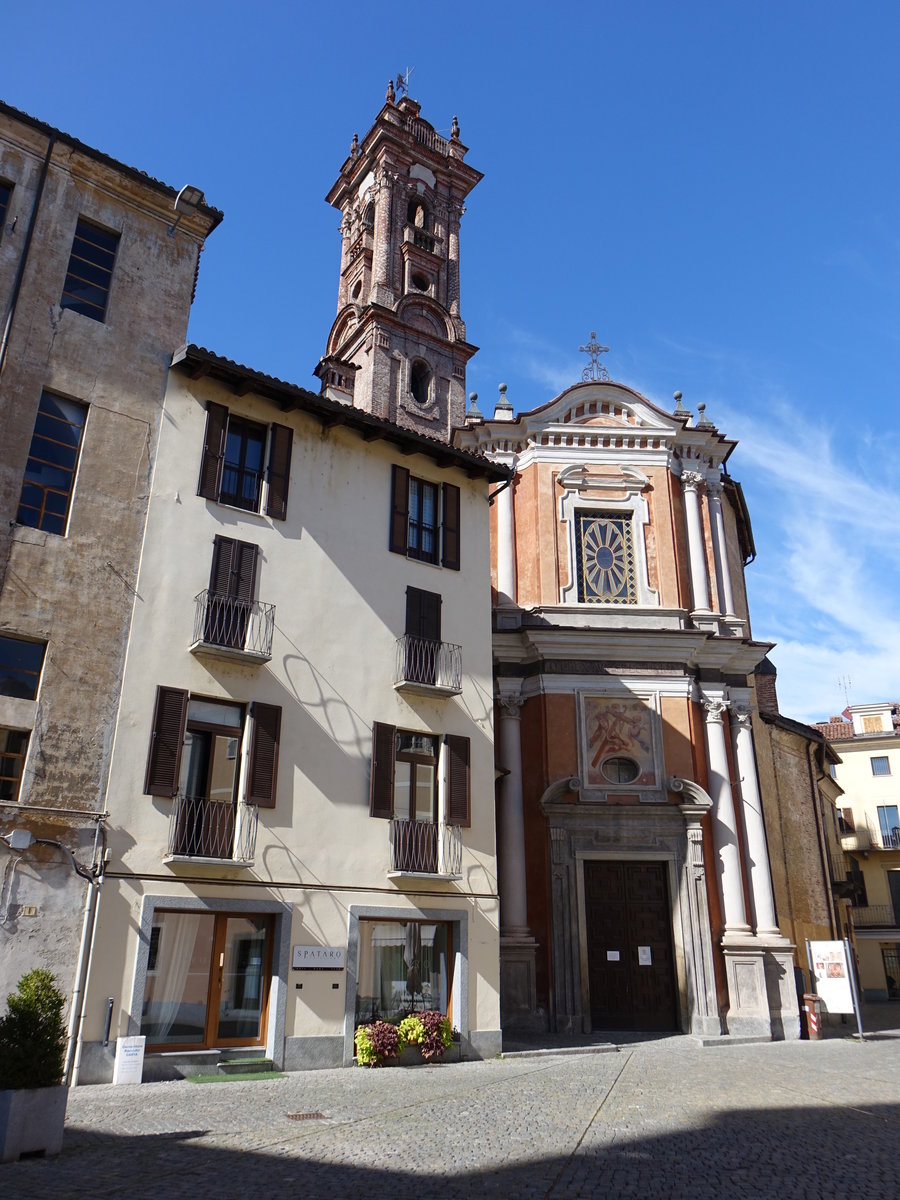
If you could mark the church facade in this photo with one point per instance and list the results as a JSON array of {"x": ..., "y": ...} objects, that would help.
[{"x": 634, "y": 875}]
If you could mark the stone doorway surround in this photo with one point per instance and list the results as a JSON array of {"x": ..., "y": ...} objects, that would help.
[{"x": 662, "y": 832}]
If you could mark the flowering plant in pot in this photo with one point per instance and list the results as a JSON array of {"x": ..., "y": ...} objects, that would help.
[
  {"x": 430, "y": 1031},
  {"x": 376, "y": 1043},
  {"x": 32, "y": 1059}
]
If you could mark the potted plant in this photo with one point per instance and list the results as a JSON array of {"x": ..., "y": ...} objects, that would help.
[
  {"x": 430, "y": 1031},
  {"x": 32, "y": 1058},
  {"x": 376, "y": 1043}
]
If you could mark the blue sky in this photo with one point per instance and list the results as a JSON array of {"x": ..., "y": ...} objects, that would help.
[{"x": 712, "y": 187}]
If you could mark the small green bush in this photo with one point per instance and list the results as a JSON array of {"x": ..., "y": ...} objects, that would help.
[{"x": 33, "y": 1034}]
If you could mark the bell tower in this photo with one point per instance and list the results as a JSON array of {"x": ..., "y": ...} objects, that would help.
[{"x": 398, "y": 346}]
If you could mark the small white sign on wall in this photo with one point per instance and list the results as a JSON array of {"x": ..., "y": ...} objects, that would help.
[
  {"x": 319, "y": 958},
  {"x": 645, "y": 958},
  {"x": 612, "y": 956},
  {"x": 129, "y": 1065}
]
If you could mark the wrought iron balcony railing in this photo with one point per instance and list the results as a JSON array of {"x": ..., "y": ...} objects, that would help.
[
  {"x": 218, "y": 829},
  {"x": 426, "y": 848},
  {"x": 422, "y": 665},
  {"x": 867, "y": 916},
  {"x": 233, "y": 628},
  {"x": 856, "y": 840}
]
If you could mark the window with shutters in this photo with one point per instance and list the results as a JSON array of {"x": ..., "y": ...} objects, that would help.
[
  {"x": 424, "y": 519},
  {"x": 218, "y": 762},
  {"x": 420, "y": 783},
  {"x": 5, "y": 193},
  {"x": 424, "y": 663},
  {"x": 245, "y": 464},
  {"x": 229, "y": 620},
  {"x": 89, "y": 274}
]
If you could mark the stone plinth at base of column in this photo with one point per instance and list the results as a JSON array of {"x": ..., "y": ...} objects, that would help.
[
  {"x": 518, "y": 985},
  {"x": 748, "y": 1000},
  {"x": 781, "y": 986}
]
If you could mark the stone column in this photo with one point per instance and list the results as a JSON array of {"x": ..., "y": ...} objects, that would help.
[
  {"x": 454, "y": 215},
  {"x": 724, "y": 823},
  {"x": 705, "y": 1019},
  {"x": 720, "y": 549},
  {"x": 511, "y": 850},
  {"x": 518, "y": 949},
  {"x": 506, "y": 546},
  {"x": 690, "y": 483},
  {"x": 763, "y": 897},
  {"x": 346, "y": 223}
]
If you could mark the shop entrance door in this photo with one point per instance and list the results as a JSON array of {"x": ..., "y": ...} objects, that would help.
[{"x": 631, "y": 967}]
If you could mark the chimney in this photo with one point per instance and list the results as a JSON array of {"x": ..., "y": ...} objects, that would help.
[{"x": 766, "y": 694}]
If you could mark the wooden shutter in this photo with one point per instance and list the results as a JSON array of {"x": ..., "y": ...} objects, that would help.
[
  {"x": 423, "y": 614},
  {"x": 233, "y": 570},
  {"x": 399, "y": 538},
  {"x": 213, "y": 451},
  {"x": 459, "y": 806},
  {"x": 166, "y": 742},
  {"x": 263, "y": 771},
  {"x": 450, "y": 547},
  {"x": 381, "y": 778},
  {"x": 279, "y": 471}
]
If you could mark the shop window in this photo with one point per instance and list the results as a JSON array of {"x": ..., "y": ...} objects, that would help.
[{"x": 404, "y": 967}]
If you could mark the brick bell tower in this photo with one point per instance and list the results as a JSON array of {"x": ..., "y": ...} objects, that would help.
[{"x": 398, "y": 346}]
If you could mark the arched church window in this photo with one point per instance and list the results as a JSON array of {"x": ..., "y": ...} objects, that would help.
[
  {"x": 368, "y": 217},
  {"x": 417, "y": 214},
  {"x": 419, "y": 379}
]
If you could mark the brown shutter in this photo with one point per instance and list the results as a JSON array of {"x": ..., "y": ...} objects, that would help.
[
  {"x": 166, "y": 742},
  {"x": 399, "y": 539},
  {"x": 213, "y": 451},
  {"x": 459, "y": 808},
  {"x": 450, "y": 547},
  {"x": 263, "y": 771},
  {"x": 423, "y": 614},
  {"x": 233, "y": 570},
  {"x": 381, "y": 779},
  {"x": 279, "y": 471}
]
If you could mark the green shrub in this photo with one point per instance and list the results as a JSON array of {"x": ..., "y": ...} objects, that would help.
[
  {"x": 32, "y": 1034},
  {"x": 377, "y": 1042}
]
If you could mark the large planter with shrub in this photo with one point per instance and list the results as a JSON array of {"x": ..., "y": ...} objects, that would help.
[
  {"x": 422, "y": 1037},
  {"x": 32, "y": 1058}
]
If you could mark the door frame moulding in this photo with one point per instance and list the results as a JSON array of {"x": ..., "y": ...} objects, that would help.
[{"x": 281, "y": 957}]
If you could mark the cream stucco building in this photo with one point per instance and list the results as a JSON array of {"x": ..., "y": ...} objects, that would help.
[{"x": 868, "y": 771}]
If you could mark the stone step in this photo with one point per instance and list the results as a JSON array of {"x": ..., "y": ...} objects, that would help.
[{"x": 245, "y": 1066}]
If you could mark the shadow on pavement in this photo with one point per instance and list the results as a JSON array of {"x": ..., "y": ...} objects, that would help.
[{"x": 800, "y": 1152}]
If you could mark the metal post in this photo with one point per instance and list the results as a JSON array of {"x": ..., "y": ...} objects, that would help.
[{"x": 851, "y": 968}]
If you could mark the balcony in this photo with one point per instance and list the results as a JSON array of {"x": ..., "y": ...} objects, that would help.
[
  {"x": 870, "y": 916},
  {"x": 426, "y": 667},
  {"x": 421, "y": 238},
  {"x": 213, "y": 831},
  {"x": 226, "y": 627},
  {"x": 857, "y": 841},
  {"x": 425, "y": 848}
]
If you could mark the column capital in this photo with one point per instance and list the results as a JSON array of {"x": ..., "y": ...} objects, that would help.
[
  {"x": 715, "y": 709},
  {"x": 742, "y": 715},
  {"x": 691, "y": 480},
  {"x": 714, "y": 489}
]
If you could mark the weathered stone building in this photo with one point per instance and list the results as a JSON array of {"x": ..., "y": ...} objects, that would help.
[{"x": 95, "y": 290}]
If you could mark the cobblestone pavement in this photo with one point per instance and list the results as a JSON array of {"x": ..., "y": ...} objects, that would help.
[{"x": 654, "y": 1119}]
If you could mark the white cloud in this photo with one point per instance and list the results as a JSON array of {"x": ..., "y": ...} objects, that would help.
[{"x": 828, "y": 574}]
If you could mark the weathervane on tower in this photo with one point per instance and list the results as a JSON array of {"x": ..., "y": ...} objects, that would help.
[
  {"x": 596, "y": 369},
  {"x": 403, "y": 81}
]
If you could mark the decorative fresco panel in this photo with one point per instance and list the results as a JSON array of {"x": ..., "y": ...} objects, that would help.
[{"x": 617, "y": 729}]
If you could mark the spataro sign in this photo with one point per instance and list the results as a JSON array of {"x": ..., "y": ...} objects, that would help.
[{"x": 319, "y": 958}]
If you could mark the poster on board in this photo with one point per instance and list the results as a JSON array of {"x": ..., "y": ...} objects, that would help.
[{"x": 832, "y": 975}]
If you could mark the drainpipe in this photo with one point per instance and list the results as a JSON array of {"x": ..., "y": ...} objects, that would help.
[
  {"x": 23, "y": 259},
  {"x": 823, "y": 845},
  {"x": 85, "y": 955}
]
